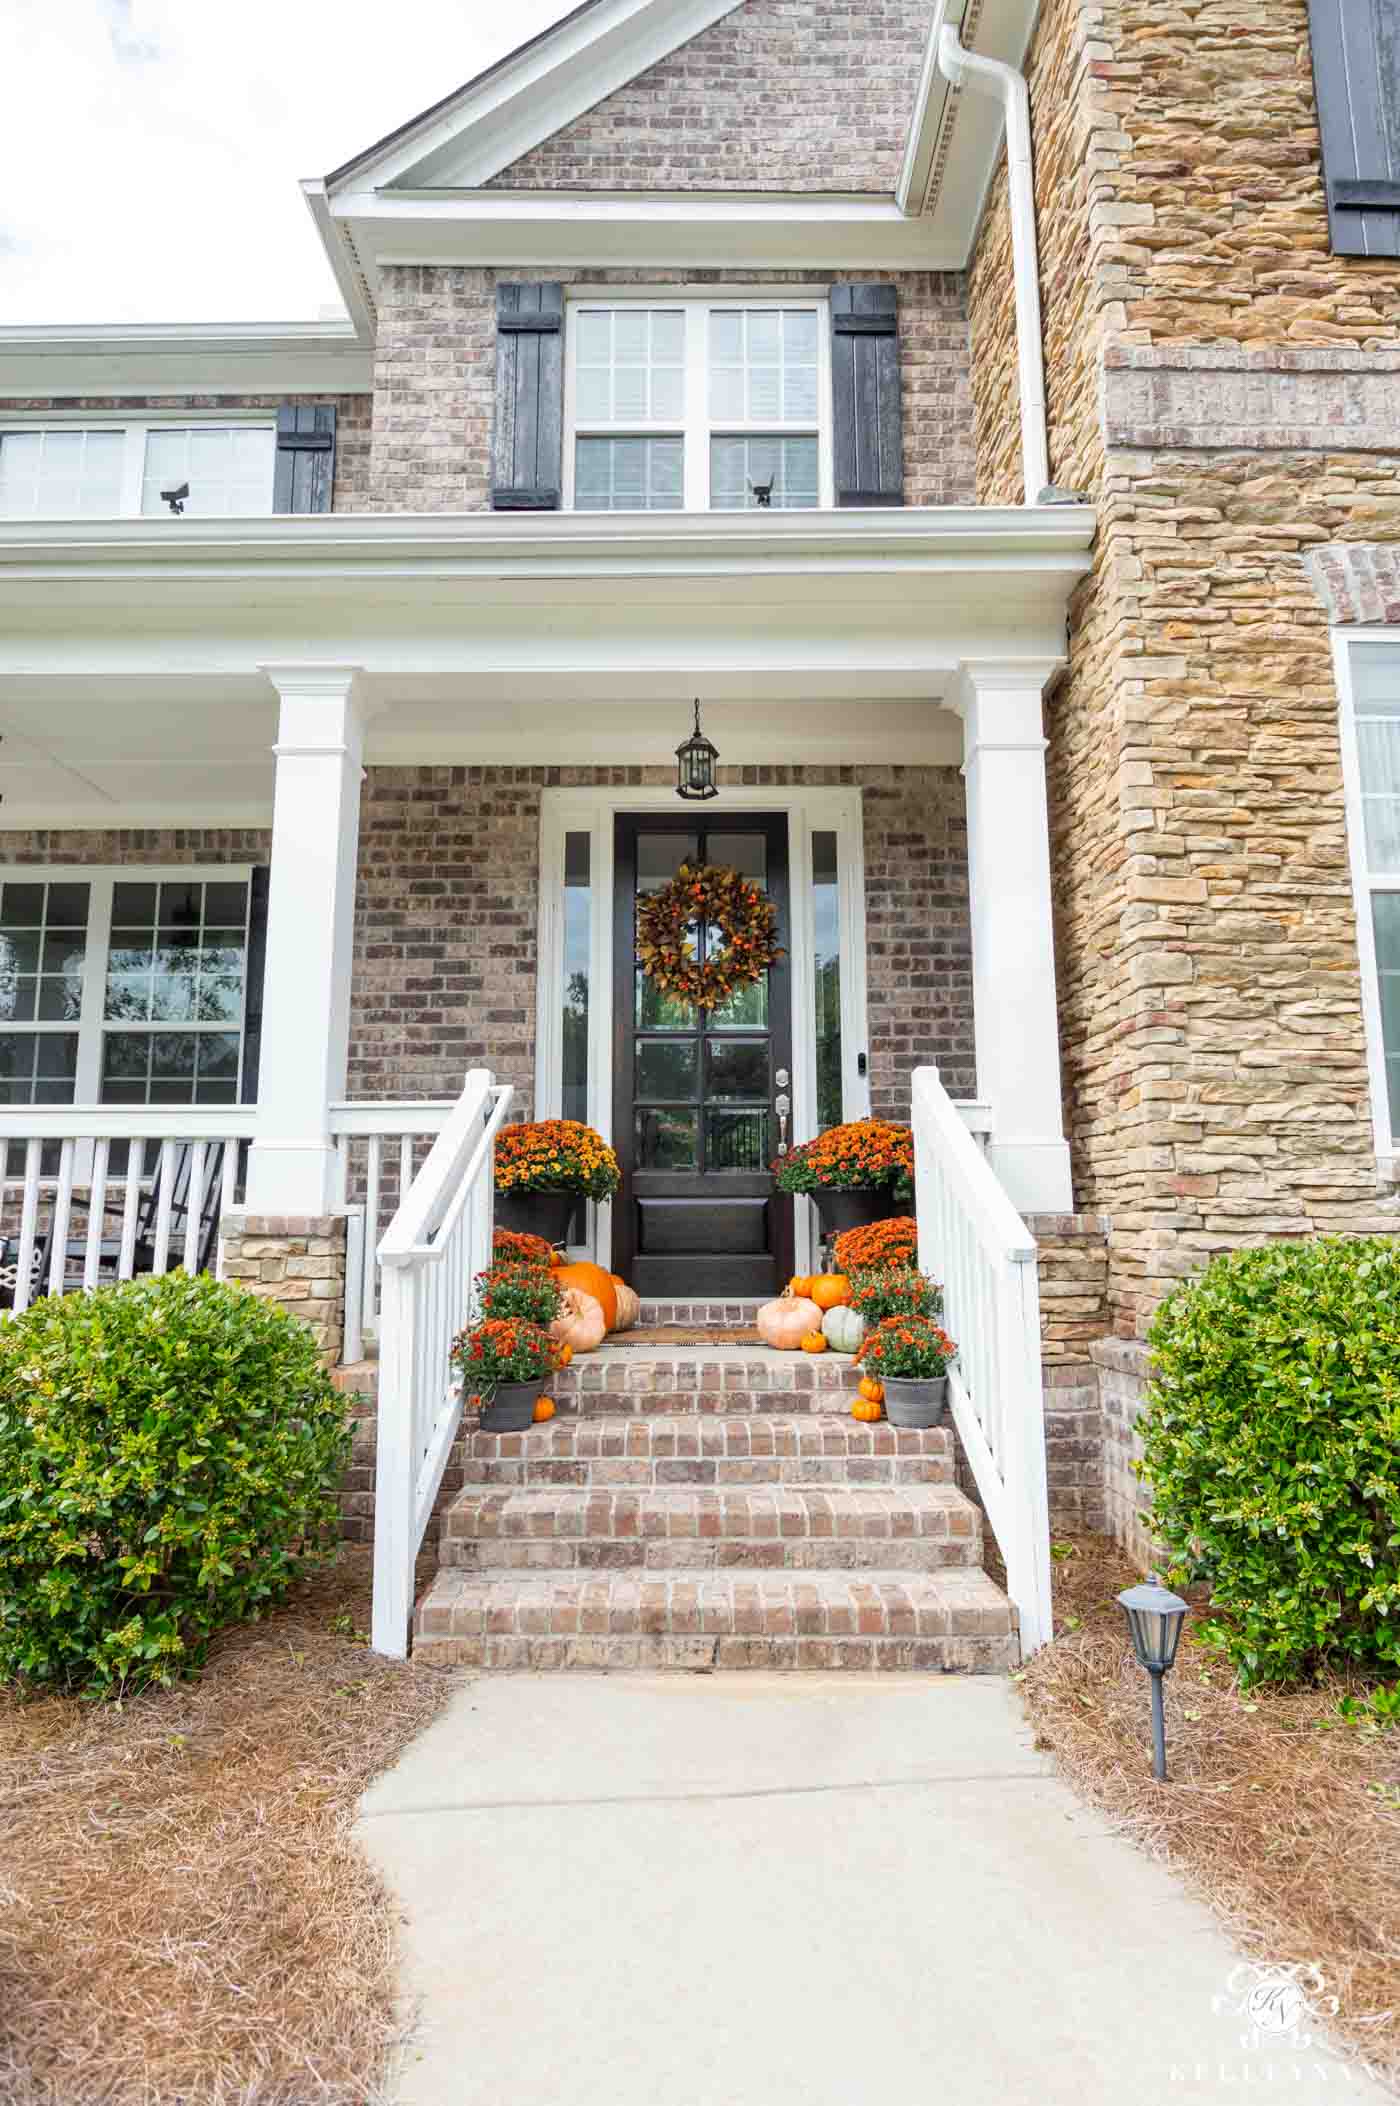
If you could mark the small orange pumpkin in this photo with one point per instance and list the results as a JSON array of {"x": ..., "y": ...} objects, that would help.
[
  {"x": 830, "y": 1289},
  {"x": 566, "y": 1354},
  {"x": 801, "y": 1285},
  {"x": 544, "y": 1409},
  {"x": 871, "y": 1390},
  {"x": 812, "y": 1342},
  {"x": 867, "y": 1409}
]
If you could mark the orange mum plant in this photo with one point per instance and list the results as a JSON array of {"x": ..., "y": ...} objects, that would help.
[
  {"x": 878, "y": 1245},
  {"x": 555, "y": 1155},
  {"x": 516, "y": 1247},
  {"x": 864, "y": 1155}
]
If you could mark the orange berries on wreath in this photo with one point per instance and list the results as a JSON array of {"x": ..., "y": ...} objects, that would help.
[{"x": 721, "y": 899}]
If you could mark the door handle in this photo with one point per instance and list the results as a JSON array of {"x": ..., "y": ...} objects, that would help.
[{"x": 782, "y": 1106}]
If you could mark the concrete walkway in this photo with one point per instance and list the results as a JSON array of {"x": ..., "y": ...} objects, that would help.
[{"x": 765, "y": 1890}]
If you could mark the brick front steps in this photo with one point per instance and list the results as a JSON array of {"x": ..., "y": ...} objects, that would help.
[
  {"x": 710, "y": 1507},
  {"x": 940, "y": 1621},
  {"x": 674, "y": 1528}
]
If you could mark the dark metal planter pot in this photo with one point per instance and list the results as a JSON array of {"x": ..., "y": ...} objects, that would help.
[
  {"x": 855, "y": 1206},
  {"x": 512, "y": 1408},
  {"x": 546, "y": 1214},
  {"x": 910, "y": 1403}
]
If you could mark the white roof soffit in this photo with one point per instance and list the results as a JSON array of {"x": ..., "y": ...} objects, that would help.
[
  {"x": 417, "y": 197},
  {"x": 232, "y": 358}
]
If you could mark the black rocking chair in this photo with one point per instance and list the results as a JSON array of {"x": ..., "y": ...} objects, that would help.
[{"x": 147, "y": 1218}]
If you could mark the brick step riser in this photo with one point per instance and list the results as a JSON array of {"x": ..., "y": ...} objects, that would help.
[
  {"x": 500, "y": 1655},
  {"x": 686, "y": 1554},
  {"x": 620, "y": 1473}
]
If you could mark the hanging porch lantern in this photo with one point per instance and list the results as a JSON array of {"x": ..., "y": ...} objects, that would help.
[{"x": 695, "y": 764}]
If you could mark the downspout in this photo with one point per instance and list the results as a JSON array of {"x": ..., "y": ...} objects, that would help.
[{"x": 965, "y": 68}]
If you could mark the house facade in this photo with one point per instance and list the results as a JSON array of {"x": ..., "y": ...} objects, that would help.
[{"x": 1021, "y": 522}]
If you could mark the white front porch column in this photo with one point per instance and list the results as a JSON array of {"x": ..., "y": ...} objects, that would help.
[
  {"x": 1013, "y": 952},
  {"x": 310, "y": 927}
]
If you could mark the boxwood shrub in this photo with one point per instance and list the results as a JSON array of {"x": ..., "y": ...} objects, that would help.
[
  {"x": 169, "y": 1455},
  {"x": 1272, "y": 1451}
]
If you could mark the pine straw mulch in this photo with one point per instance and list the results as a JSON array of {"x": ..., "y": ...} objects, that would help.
[
  {"x": 1289, "y": 1831},
  {"x": 185, "y": 1919}
]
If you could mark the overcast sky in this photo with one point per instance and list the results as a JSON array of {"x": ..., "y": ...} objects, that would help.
[{"x": 151, "y": 149}]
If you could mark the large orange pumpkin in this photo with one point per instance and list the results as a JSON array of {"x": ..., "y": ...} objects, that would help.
[
  {"x": 591, "y": 1279},
  {"x": 829, "y": 1290}
]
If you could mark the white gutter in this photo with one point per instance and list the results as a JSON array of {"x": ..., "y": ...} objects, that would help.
[{"x": 966, "y": 69}]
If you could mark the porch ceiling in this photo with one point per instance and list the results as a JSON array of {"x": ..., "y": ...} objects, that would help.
[{"x": 130, "y": 689}]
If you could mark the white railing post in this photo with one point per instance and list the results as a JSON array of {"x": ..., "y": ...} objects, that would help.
[
  {"x": 972, "y": 1239},
  {"x": 437, "y": 1241}
]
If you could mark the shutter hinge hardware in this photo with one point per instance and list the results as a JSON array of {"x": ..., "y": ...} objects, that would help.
[{"x": 175, "y": 498}]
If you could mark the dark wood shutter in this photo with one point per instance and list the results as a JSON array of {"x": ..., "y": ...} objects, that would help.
[
  {"x": 253, "y": 998},
  {"x": 867, "y": 419},
  {"x": 1356, "y": 72},
  {"x": 305, "y": 457},
  {"x": 527, "y": 459}
]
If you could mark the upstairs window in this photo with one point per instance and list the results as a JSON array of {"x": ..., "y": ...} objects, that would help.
[
  {"x": 114, "y": 471},
  {"x": 696, "y": 406}
]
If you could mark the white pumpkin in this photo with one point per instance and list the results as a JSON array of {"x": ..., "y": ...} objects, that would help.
[{"x": 843, "y": 1330}]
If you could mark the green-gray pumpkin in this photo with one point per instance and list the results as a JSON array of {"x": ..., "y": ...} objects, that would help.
[{"x": 843, "y": 1330}]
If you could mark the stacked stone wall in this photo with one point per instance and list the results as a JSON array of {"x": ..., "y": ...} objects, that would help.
[
  {"x": 1222, "y": 387},
  {"x": 435, "y": 376}
]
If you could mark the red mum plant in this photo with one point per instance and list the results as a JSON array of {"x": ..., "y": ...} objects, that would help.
[
  {"x": 529, "y": 1293},
  {"x": 502, "y": 1350},
  {"x": 907, "y": 1349},
  {"x": 897, "y": 1291}
]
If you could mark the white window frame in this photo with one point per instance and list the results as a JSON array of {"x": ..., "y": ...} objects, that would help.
[
  {"x": 91, "y": 1024},
  {"x": 696, "y": 427},
  {"x": 1365, "y": 883},
  {"x": 137, "y": 429},
  {"x": 808, "y": 811}
]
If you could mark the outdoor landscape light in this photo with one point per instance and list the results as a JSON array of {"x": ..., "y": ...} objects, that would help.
[
  {"x": 695, "y": 763},
  {"x": 1155, "y": 1616}
]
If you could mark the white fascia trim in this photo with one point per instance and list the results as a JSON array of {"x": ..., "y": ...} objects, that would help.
[
  {"x": 931, "y": 103},
  {"x": 499, "y": 116},
  {"x": 344, "y": 261},
  {"x": 170, "y": 358},
  {"x": 922, "y": 538}
]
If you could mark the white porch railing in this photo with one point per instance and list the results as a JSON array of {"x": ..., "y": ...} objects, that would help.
[
  {"x": 379, "y": 1149},
  {"x": 437, "y": 1242},
  {"x": 63, "y": 1201},
  {"x": 974, "y": 1241}
]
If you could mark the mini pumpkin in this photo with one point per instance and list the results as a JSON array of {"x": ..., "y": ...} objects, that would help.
[
  {"x": 783, "y": 1323},
  {"x": 830, "y": 1289},
  {"x": 872, "y": 1391},
  {"x": 867, "y": 1410},
  {"x": 591, "y": 1279},
  {"x": 566, "y": 1354},
  {"x": 544, "y": 1409},
  {"x": 812, "y": 1342},
  {"x": 844, "y": 1329},
  {"x": 629, "y": 1304},
  {"x": 580, "y": 1324},
  {"x": 801, "y": 1284}
]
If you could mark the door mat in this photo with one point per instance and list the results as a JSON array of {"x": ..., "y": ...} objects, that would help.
[{"x": 686, "y": 1335}]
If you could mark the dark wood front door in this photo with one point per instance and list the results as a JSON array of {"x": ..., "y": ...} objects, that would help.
[{"x": 695, "y": 1118}]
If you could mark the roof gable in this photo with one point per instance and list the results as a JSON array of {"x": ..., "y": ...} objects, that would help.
[
  {"x": 779, "y": 96},
  {"x": 469, "y": 137}
]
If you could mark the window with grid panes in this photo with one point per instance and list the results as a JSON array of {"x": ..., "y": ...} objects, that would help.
[
  {"x": 68, "y": 472},
  {"x": 696, "y": 405}
]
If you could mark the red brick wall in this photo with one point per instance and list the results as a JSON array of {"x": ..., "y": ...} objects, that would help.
[
  {"x": 435, "y": 378},
  {"x": 447, "y": 912},
  {"x": 778, "y": 95},
  {"x": 448, "y": 908}
]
